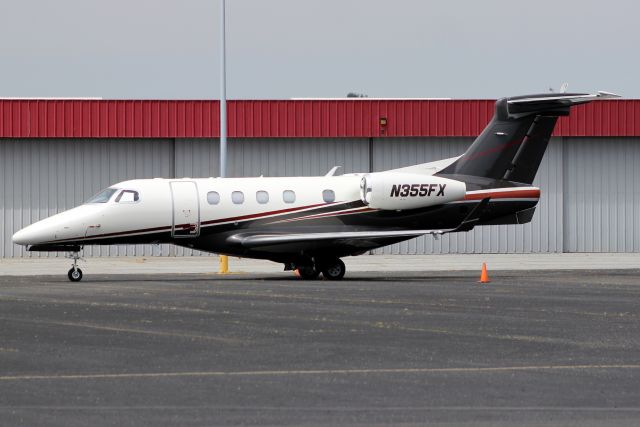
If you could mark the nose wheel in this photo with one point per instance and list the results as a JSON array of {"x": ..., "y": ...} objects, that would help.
[{"x": 74, "y": 274}]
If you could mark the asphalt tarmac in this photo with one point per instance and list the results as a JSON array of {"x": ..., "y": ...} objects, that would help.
[{"x": 536, "y": 349}]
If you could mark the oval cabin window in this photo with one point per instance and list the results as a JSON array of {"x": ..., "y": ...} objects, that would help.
[
  {"x": 328, "y": 196},
  {"x": 262, "y": 197},
  {"x": 237, "y": 197},
  {"x": 213, "y": 198},
  {"x": 288, "y": 196}
]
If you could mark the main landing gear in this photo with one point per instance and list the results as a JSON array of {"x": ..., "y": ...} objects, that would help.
[
  {"x": 75, "y": 274},
  {"x": 334, "y": 270},
  {"x": 331, "y": 269}
]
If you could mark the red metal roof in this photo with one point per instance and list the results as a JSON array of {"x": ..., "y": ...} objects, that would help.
[{"x": 289, "y": 119}]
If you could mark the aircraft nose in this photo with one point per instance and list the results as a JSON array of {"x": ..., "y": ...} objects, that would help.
[
  {"x": 65, "y": 225},
  {"x": 27, "y": 236},
  {"x": 37, "y": 233}
]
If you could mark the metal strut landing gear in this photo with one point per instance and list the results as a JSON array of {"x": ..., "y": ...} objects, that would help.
[
  {"x": 331, "y": 269},
  {"x": 75, "y": 274},
  {"x": 334, "y": 269}
]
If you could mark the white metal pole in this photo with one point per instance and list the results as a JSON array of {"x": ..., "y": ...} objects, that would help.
[
  {"x": 223, "y": 94},
  {"x": 224, "y": 260}
]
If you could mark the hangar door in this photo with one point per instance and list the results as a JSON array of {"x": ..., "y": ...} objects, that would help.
[{"x": 601, "y": 195}]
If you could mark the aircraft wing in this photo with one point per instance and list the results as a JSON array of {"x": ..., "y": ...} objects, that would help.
[
  {"x": 270, "y": 239},
  {"x": 254, "y": 240}
]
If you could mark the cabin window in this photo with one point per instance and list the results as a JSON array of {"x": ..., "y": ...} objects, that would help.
[
  {"x": 103, "y": 196},
  {"x": 213, "y": 197},
  {"x": 127, "y": 196},
  {"x": 237, "y": 197},
  {"x": 328, "y": 196},
  {"x": 262, "y": 197},
  {"x": 288, "y": 196}
]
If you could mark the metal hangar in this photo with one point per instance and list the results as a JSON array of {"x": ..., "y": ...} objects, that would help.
[{"x": 54, "y": 154}]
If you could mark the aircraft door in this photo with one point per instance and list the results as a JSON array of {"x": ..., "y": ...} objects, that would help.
[{"x": 186, "y": 209}]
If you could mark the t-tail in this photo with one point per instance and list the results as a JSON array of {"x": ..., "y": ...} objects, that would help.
[{"x": 512, "y": 145}]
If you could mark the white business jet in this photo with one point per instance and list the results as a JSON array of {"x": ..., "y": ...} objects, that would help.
[{"x": 309, "y": 223}]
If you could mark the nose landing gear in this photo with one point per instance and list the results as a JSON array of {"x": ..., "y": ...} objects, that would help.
[{"x": 75, "y": 274}]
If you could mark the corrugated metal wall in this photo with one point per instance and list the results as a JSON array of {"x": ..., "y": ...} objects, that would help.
[
  {"x": 272, "y": 157},
  {"x": 590, "y": 200},
  {"x": 44, "y": 177},
  {"x": 602, "y": 195},
  {"x": 543, "y": 234},
  {"x": 315, "y": 118}
]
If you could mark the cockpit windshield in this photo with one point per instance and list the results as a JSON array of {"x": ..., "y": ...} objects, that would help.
[
  {"x": 103, "y": 196},
  {"x": 127, "y": 196}
]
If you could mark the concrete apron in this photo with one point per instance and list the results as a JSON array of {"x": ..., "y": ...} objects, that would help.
[{"x": 366, "y": 263}]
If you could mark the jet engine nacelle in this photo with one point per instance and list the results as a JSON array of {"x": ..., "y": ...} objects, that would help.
[{"x": 399, "y": 191}]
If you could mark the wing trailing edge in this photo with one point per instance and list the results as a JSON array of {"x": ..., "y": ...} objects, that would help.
[{"x": 250, "y": 240}]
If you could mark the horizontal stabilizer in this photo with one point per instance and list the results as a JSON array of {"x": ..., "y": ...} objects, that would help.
[
  {"x": 539, "y": 104},
  {"x": 564, "y": 98}
]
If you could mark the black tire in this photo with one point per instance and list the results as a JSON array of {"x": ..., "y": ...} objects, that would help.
[
  {"x": 307, "y": 272},
  {"x": 75, "y": 275},
  {"x": 334, "y": 270}
]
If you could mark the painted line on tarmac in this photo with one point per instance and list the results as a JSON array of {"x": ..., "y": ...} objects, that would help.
[
  {"x": 132, "y": 375},
  {"x": 212, "y": 406},
  {"x": 184, "y": 335}
]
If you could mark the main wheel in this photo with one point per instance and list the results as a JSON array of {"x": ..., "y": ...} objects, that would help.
[
  {"x": 334, "y": 270},
  {"x": 307, "y": 272},
  {"x": 75, "y": 275}
]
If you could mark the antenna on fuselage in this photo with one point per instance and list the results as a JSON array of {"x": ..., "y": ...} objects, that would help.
[{"x": 333, "y": 171}]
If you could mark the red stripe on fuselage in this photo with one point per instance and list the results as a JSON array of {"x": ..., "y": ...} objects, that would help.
[
  {"x": 262, "y": 214},
  {"x": 328, "y": 214},
  {"x": 516, "y": 194}
]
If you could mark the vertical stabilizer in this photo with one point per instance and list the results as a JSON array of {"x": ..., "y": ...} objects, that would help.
[{"x": 512, "y": 145}]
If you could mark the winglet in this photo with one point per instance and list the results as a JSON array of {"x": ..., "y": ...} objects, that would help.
[{"x": 607, "y": 95}]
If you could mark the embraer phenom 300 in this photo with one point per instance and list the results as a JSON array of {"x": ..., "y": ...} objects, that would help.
[{"x": 309, "y": 223}]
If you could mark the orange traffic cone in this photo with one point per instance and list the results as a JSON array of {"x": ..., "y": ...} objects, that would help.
[{"x": 484, "y": 276}]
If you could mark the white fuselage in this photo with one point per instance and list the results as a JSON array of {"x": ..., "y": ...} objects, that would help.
[
  {"x": 173, "y": 203},
  {"x": 184, "y": 205}
]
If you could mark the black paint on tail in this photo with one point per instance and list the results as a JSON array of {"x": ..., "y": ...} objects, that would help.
[{"x": 512, "y": 145}]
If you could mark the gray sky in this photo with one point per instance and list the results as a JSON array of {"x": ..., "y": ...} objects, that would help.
[{"x": 317, "y": 48}]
